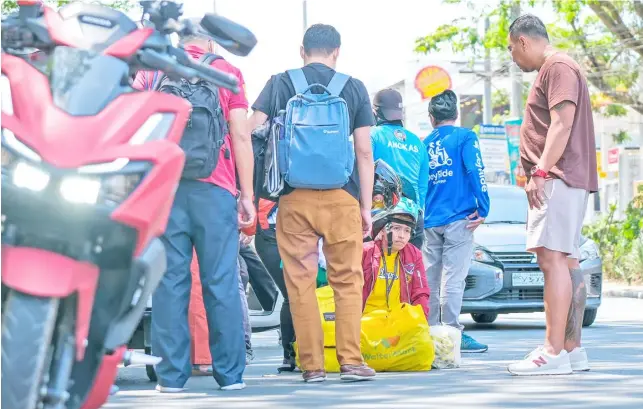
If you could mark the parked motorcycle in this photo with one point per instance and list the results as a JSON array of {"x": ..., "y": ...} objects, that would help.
[{"x": 89, "y": 171}]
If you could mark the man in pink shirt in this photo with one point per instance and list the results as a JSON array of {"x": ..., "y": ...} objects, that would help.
[{"x": 207, "y": 216}]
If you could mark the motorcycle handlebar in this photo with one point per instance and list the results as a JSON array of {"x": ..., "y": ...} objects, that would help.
[{"x": 187, "y": 69}]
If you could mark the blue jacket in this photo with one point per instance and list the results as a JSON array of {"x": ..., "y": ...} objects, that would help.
[
  {"x": 457, "y": 185},
  {"x": 404, "y": 152}
]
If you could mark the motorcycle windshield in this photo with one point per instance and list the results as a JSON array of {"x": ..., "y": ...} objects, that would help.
[{"x": 83, "y": 82}]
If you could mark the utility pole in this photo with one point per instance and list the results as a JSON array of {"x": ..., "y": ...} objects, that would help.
[
  {"x": 214, "y": 6},
  {"x": 516, "y": 76},
  {"x": 487, "y": 104},
  {"x": 305, "y": 5}
]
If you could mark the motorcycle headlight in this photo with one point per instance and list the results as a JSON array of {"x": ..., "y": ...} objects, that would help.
[
  {"x": 104, "y": 183},
  {"x": 7, "y": 99},
  {"x": 589, "y": 251},
  {"x": 80, "y": 189},
  {"x": 480, "y": 254},
  {"x": 30, "y": 177}
]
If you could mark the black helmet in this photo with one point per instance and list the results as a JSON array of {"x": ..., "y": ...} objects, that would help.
[
  {"x": 444, "y": 106},
  {"x": 387, "y": 183}
]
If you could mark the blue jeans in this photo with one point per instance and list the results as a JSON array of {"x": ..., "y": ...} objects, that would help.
[{"x": 204, "y": 216}]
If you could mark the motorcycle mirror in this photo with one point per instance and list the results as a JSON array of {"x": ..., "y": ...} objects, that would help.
[{"x": 235, "y": 38}]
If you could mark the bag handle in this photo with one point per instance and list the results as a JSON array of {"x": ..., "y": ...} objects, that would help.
[{"x": 337, "y": 83}]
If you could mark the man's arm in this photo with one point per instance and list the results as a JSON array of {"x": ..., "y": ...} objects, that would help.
[
  {"x": 366, "y": 169},
  {"x": 257, "y": 119},
  {"x": 242, "y": 148},
  {"x": 472, "y": 159},
  {"x": 562, "y": 96},
  {"x": 423, "y": 179},
  {"x": 562, "y": 118}
]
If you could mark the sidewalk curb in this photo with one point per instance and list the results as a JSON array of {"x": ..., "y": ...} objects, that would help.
[{"x": 623, "y": 293}]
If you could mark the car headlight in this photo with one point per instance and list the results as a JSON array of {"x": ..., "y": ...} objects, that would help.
[
  {"x": 154, "y": 128},
  {"x": 481, "y": 255},
  {"x": 589, "y": 251},
  {"x": 7, "y": 99}
]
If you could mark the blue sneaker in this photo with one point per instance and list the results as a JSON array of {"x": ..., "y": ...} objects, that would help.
[{"x": 471, "y": 345}]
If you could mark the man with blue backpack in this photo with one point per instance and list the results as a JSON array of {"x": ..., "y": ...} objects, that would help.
[
  {"x": 325, "y": 160},
  {"x": 402, "y": 150}
]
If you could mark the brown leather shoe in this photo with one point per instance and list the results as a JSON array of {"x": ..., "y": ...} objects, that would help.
[
  {"x": 314, "y": 376},
  {"x": 356, "y": 373}
]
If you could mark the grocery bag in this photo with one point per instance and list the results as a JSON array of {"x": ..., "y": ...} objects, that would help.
[
  {"x": 446, "y": 341},
  {"x": 326, "y": 304},
  {"x": 391, "y": 341},
  {"x": 397, "y": 340}
]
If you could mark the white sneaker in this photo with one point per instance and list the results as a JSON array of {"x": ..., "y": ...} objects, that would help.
[
  {"x": 578, "y": 360},
  {"x": 167, "y": 389},
  {"x": 539, "y": 362},
  {"x": 234, "y": 387}
]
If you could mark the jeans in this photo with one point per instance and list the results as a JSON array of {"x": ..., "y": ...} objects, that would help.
[
  {"x": 243, "y": 283},
  {"x": 447, "y": 257},
  {"x": 204, "y": 216},
  {"x": 266, "y": 245}
]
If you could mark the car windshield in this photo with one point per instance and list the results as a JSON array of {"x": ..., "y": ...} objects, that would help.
[{"x": 508, "y": 205}]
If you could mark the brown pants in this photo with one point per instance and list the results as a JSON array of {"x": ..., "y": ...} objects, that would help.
[{"x": 303, "y": 217}]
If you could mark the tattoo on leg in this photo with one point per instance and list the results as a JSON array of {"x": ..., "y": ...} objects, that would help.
[{"x": 577, "y": 308}]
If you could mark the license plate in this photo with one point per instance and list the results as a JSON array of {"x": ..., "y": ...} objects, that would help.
[{"x": 535, "y": 279}]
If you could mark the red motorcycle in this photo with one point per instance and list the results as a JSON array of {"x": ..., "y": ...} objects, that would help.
[{"x": 89, "y": 171}]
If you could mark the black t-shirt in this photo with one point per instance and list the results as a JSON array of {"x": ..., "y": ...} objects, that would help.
[{"x": 354, "y": 93}]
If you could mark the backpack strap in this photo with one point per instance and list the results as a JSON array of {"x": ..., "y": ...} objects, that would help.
[
  {"x": 337, "y": 83},
  {"x": 209, "y": 58},
  {"x": 298, "y": 80}
]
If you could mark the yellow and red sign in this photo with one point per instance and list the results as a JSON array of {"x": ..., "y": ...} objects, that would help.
[{"x": 432, "y": 80}]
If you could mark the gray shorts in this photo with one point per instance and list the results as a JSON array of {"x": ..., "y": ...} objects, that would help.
[{"x": 558, "y": 223}]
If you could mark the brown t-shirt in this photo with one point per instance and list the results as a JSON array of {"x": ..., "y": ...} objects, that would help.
[{"x": 560, "y": 79}]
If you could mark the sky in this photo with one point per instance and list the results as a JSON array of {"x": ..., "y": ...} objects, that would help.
[{"x": 377, "y": 35}]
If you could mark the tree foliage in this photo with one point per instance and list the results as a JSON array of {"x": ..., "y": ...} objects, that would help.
[
  {"x": 9, "y": 6},
  {"x": 606, "y": 37},
  {"x": 620, "y": 241}
]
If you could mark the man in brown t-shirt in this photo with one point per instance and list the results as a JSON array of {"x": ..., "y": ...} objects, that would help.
[{"x": 558, "y": 152}]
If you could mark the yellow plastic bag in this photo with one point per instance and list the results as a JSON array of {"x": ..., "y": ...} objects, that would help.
[
  {"x": 331, "y": 364},
  {"x": 397, "y": 340},
  {"x": 326, "y": 303}
]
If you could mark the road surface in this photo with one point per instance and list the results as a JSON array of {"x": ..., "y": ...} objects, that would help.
[{"x": 614, "y": 343}]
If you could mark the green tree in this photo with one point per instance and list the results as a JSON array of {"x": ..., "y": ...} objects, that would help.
[
  {"x": 9, "y": 6},
  {"x": 606, "y": 37}
]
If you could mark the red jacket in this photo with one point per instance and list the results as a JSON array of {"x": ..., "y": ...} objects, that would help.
[{"x": 414, "y": 289}]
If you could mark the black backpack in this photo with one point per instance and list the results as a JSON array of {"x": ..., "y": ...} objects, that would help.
[
  {"x": 205, "y": 132},
  {"x": 268, "y": 183}
]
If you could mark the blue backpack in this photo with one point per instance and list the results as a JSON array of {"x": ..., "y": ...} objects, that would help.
[{"x": 317, "y": 150}]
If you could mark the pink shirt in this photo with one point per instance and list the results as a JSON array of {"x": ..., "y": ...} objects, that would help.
[{"x": 225, "y": 173}]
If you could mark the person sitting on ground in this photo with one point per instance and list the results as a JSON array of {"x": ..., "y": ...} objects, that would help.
[{"x": 389, "y": 260}]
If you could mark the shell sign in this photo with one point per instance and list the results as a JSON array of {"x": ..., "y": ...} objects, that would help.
[{"x": 432, "y": 80}]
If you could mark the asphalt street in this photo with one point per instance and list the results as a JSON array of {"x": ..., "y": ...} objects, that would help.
[{"x": 614, "y": 344}]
